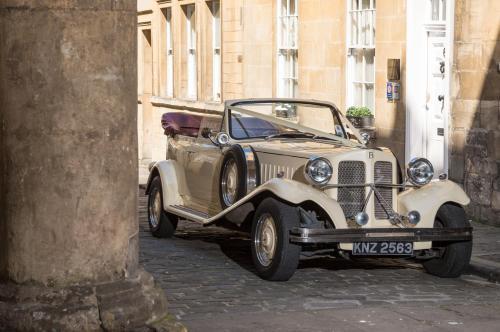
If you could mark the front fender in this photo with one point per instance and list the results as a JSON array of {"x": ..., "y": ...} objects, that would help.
[
  {"x": 428, "y": 199},
  {"x": 295, "y": 193},
  {"x": 172, "y": 181}
]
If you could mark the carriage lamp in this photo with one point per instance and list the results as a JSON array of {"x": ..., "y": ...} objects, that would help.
[
  {"x": 362, "y": 218},
  {"x": 318, "y": 171},
  {"x": 414, "y": 217},
  {"x": 420, "y": 171}
]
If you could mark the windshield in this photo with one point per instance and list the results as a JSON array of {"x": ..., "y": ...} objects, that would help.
[{"x": 284, "y": 120}]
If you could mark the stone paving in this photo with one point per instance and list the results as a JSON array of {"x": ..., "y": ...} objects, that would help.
[{"x": 208, "y": 271}]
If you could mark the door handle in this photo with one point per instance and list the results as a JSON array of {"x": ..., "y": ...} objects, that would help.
[{"x": 441, "y": 97}]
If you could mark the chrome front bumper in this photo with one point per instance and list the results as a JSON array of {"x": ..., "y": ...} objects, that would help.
[{"x": 307, "y": 235}]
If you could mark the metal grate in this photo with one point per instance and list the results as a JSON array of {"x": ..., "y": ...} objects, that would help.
[
  {"x": 383, "y": 175},
  {"x": 269, "y": 171},
  {"x": 351, "y": 199}
]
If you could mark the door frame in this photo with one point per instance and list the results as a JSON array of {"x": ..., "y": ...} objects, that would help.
[{"x": 416, "y": 54}]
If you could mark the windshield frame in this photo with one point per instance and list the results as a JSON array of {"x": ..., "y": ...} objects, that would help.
[{"x": 238, "y": 105}]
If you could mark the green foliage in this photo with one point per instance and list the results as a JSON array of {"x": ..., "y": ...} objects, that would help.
[{"x": 359, "y": 111}]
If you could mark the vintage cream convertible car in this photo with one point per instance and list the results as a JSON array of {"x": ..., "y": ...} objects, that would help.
[{"x": 299, "y": 177}]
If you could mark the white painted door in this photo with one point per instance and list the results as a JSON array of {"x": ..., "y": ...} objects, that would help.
[{"x": 436, "y": 100}]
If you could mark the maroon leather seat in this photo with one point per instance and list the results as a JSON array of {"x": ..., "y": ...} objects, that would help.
[{"x": 179, "y": 123}]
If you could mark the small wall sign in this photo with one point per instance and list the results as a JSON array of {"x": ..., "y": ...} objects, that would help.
[
  {"x": 396, "y": 87},
  {"x": 389, "y": 91},
  {"x": 393, "y": 91}
]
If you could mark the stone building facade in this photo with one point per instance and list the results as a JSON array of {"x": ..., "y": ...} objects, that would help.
[{"x": 444, "y": 54}]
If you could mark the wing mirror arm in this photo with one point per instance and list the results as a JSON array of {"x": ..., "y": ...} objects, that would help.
[{"x": 219, "y": 139}]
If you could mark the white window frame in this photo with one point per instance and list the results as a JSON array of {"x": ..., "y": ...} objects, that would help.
[
  {"x": 287, "y": 52},
  {"x": 216, "y": 51},
  {"x": 356, "y": 44},
  {"x": 169, "y": 45},
  {"x": 192, "y": 82}
]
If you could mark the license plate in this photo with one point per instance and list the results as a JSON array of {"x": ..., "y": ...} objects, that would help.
[{"x": 382, "y": 248}]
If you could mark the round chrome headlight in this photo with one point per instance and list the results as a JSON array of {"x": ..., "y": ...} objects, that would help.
[
  {"x": 420, "y": 171},
  {"x": 318, "y": 171}
]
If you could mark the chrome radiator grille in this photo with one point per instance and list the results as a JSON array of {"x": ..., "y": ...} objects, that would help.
[
  {"x": 383, "y": 175},
  {"x": 351, "y": 199}
]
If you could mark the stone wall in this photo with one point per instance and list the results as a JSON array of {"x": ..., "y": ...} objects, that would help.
[
  {"x": 232, "y": 49},
  {"x": 475, "y": 125},
  {"x": 322, "y": 52},
  {"x": 390, "y": 44},
  {"x": 258, "y": 48}
]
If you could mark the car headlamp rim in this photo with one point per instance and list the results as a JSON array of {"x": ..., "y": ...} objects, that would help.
[
  {"x": 309, "y": 168},
  {"x": 414, "y": 171}
]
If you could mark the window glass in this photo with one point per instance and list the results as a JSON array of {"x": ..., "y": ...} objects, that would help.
[
  {"x": 437, "y": 10},
  {"x": 369, "y": 68},
  {"x": 191, "y": 52},
  {"x": 320, "y": 118},
  {"x": 287, "y": 61},
  {"x": 169, "y": 90},
  {"x": 361, "y": 55},
  {"x": 216, "y": 56}
]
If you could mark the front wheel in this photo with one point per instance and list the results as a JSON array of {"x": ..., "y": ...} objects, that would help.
[
  {"x": 455, "y": 256},
  {"x": 161, "y": 224},
  {"x": 274, "y": 257}
]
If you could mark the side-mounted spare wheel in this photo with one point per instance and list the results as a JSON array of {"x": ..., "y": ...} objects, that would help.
[
  {"x": 232, "y": 176},
  {"x": 274, "y": 257},
  {"x": 161, "y": 223},
  {"x": 454, "y": 256}
]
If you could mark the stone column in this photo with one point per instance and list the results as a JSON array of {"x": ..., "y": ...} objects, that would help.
[{"x": 68, "y": 167}]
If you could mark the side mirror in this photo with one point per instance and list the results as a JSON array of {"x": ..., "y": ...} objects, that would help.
[
  {"x": 366, "y": 138},
  {"x": 206, "y": 132}
]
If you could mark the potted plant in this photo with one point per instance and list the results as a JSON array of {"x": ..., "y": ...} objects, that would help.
[{"x": 360, "y": 116}]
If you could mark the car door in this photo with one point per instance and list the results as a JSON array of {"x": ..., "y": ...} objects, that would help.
[{"x": 203, "y": 167}]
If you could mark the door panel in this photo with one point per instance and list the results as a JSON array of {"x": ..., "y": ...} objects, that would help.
[
  {"x": 202, "y": 176},
  {"x": 435, "y": 100},
  {"x": 203, "y": 167}
]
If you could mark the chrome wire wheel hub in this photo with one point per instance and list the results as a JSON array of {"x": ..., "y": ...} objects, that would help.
[
  {"x": 155, "y": 209},
  {"x": 229, "y": 182},
  {"x": 265, "y": 239}
]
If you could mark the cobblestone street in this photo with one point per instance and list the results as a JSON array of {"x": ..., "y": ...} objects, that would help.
[{"x": 208, "y": 277}]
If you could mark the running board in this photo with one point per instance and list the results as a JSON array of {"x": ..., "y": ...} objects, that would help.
[
  {"x": 202, "y": 217},
  {"x": 189, "y": 213}
]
